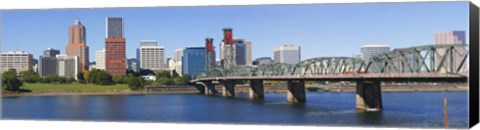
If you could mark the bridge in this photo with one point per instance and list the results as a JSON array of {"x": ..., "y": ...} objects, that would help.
[{"x": 430, "y": 63}]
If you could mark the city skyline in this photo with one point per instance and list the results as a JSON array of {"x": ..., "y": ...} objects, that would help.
[{"x": 175, "y": 32}]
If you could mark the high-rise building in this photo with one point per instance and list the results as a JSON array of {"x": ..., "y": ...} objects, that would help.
[
  {"x": 178, "y": 61},
  {"x": 289, "y": 54},
  {"x": 68, "y": 66},
  {"x": 248, "y": 54},
  {"x": 114, "y": 27},
  {"x": 151, "y": 56},
  {"x": 100, "y": 59},
  {"x": 47, "y": 64},
  {"x": 369, "y": 51},
  {"x": 115, "y": 50},
  {"x": 193, "y": 61},
  {"x": 240, "y": 52},
  {"x": 452, "y": 37},
  {"x": 18, "y": 60},
  {"x": 50, "y": 52},
  {"x": 263, "y": 61},
  {"x": 77, "y": 45},
  {"x": 132, "y": 64},
  {"x": 115, "y": 56}
]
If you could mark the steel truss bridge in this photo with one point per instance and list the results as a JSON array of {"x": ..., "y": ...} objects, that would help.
[{"x": 430, "y": 63}]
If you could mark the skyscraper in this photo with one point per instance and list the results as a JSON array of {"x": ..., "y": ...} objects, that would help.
[
  {"x": 289, "y": 54},
  {"x": 240, "y": 52},
  {"x": 115, "y": 50},
  {"x": 47, "y": 64},
  {"x": 151, "y": 56},
  {"x": 77, "y": 45},
  {"x": 50, "y": 52},
  {"x": 114, "y": 27},
  {"x": 449, "y": 38},
  {"x": 369, "y": 51},
  {"x": 193, "y": 60}
]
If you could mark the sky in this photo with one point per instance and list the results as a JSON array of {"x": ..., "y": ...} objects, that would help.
[{"x": 319, "y": 29}]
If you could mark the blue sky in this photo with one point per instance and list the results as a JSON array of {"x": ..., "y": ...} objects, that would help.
[{"x": 320, "y": 29}]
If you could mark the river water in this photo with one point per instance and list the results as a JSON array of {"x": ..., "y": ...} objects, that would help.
[{"x": 401, "y": 109}]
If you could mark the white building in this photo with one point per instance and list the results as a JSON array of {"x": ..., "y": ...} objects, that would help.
[
  {"x": 151, "y": 56},
  {"x": 178, "y": 61},
  {"x": 248, "y": 55},
  {"x": 149, "y": 77},
  {"x": 18, "y": 60},
  {"x": 68, "y": 66},
  {"x": 369, "y": 51},
  {"x": 100, "y": 59},
  {"x": 288, "y": 53}
]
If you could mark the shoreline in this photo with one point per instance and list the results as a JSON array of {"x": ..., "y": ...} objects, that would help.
[{"x": 240, "y": 89}]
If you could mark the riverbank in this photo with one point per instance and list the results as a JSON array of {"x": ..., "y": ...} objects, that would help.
[{"x": 64, "y": 90}]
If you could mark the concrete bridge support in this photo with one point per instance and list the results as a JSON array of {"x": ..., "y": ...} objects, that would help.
[
  {"x": 368, "y": 95},
  {"x": 209, "y": 88},
  {"x": 256, "y": 90},
  {"x": 200, "y": 87},
  {"x": 228, "y": 89},
  {"x": 296, "y": 91}
]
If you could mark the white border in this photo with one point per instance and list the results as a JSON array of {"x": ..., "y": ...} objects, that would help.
[{"x": 61, "y": 4}]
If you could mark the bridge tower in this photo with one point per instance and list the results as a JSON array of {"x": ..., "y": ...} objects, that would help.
[
  {"x": 228, "y": 49},
  {"x": 210, "y": 54}
]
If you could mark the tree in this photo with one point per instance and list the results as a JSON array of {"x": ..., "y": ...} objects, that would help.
[
  {"x": 178, "y": 81},
  {"x": 120, "y": 79},
  {"x": 99, "y": 77},
  {"x": 86, "y": 75},
  {"x": 11, "y": 81},
  {"x": 51, "y": 79},
  {"x": 163, "y": 81},
  {"x": 103, "y": 78},
  {"x": 81, "y": 78},
  {"x": 131, "y": 72},
  {"x": 29, "y": 76},
  {"x": 135, "y": 83},
  {"x": 163, "y": 74}
]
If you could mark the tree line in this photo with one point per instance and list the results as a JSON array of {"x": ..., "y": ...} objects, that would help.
[{"x": 13, "y": 80}]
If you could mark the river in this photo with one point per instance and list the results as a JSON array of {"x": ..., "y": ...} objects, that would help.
[{"x": 401, "y": 109}]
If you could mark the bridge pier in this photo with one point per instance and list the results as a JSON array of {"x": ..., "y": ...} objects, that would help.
[
  {"x": 228, "y": 89},
  {"x": 209, "y": 88},
  {"x": 368, "y": 95},
  {"x": 256, "y": 90},
  {"x": 200, "y": 87},
  {"x": 296, "y": 91}
]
